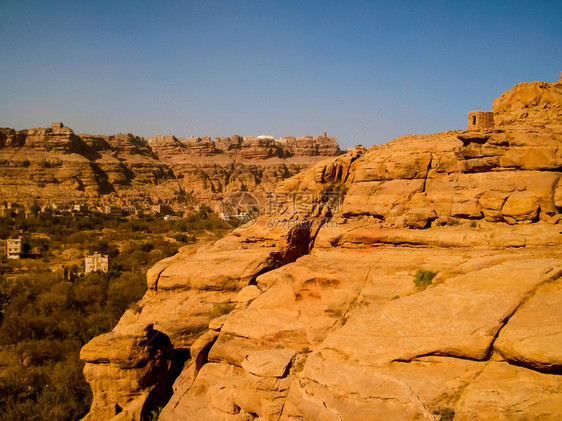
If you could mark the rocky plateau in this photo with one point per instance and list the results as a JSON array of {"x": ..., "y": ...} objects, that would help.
[
  {"x": 312, "y": 313},
  {"x": 56, "y": 165}
]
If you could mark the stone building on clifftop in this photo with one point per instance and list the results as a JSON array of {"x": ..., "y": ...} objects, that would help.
[{"x": 478, "y": 120}]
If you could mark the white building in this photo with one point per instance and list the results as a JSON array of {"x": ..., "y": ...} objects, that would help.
[
  {"x": 80, "y": 207},
  {"x": 96, "y": 263},
  {"x": 129, "y": 209},
  {"x": 113, "y": 211},
  {"x": 13, "y": 248}
]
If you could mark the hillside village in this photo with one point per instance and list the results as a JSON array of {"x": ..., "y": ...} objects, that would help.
[{"x": 58, "y": 170}]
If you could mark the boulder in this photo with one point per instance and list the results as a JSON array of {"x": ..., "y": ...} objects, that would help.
[
  {"x": 268, "y": 362},
  {"x": 124, "y": 369},
  {"x": 419, "y": 218},
  {"x": 491, "y": 204},
  {"x": 520, "y": 207}
]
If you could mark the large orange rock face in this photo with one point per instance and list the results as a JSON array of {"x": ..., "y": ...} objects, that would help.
[
  {"x": 509, "y": 173},
  {"x": 322, "y": 320},
  {"x": 530, "y": 103}
]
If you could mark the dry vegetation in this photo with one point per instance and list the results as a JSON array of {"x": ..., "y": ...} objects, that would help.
[{"x": 45, "y": 319}]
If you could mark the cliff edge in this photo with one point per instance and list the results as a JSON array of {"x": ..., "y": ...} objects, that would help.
[{"x": 420, "y": 279}]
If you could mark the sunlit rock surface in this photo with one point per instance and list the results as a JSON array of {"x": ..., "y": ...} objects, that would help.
[{"x": 322, "y": 320}]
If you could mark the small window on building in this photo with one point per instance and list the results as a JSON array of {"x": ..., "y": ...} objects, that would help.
[{"x": 473, "y": 119}]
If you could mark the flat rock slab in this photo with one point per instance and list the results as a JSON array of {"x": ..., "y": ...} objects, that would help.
[
  {"x": 248, "y": 293},
  {"x": 457, "y": 318},
  {"x": 533, "y": 336},
  {"x": 505, "y": 391},
  {"x": 334, "y": 390},
  {"x": 268, "y": 362}
]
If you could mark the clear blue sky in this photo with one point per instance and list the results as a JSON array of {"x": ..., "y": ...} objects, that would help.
[{"x": 268, "y": 67}]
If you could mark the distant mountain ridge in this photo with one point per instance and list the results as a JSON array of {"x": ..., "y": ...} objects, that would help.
[{"x": 47, "y": 164}]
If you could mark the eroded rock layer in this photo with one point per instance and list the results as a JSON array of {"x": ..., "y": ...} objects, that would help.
[
  {"x": 55, "y": 164},
  {"x": 313, "y": 313}
]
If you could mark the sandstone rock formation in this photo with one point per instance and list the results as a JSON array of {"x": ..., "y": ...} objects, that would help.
[
  {"x": 509, "y": 174},
  {"x": 146, "y": 355},
  {"x": 530, "y": 103},
  {"x": 55, "y": 164},
  {"x": 312, "y": 313}
]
